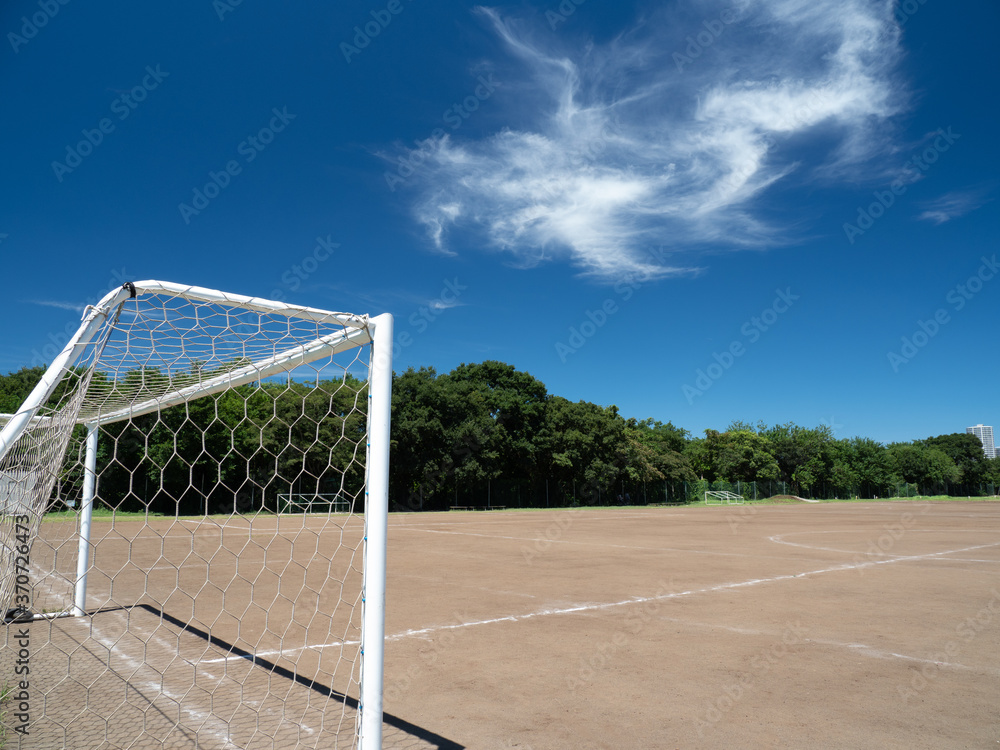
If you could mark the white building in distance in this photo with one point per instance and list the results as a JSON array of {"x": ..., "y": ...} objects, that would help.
[{"x": 985, "y": 434}]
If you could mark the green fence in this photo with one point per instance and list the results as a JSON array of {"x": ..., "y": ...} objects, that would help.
[{"x": 502, "y": 493}]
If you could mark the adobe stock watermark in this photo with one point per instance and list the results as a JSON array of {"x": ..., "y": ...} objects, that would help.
[
  {"x": 760, "y": 665},
  {"x": 595, "y": 146},
  {"x": 421, "y": 319},
  {"x": 447, "y": 299},
  {"x": 698, "y": 43},
  {"x": 957, "y": 297},
  {"x": 223, "y": 7},
  {"x": 905, "y": 9},
  {"x": 58, "y": 340},
  {"x": 122, "y": 106},
  {"x": 736, "y": 518},
  {"x": 22, "y": 638},
  {"x": 562, "y": 12},
  {"x": 426, "y": 315},
  {"x": 594, "y": 320},
  {"x": 250, "y": 148},
  {"x": 751, "y": 330},
  {"x": 586, "y": 152},
  {"x": 48, "y": 9},
  {"x": 834, "y": 426},
  {"x": 891, "y": 534},
  {"x": 885, "y": 199},
  {"x": 305, "y": 267},
  {"x": 442, "y": 643},
  {"x": 434, "y": 477},
  {"x": 453, "y": 117},
  {"x": 364, "y": 34},
  {"x": 553, "y": 533},
  {"x": 814, "y": 102},
  {"x": 646, "y": 609},
  {"x": 966, "y": 631}
]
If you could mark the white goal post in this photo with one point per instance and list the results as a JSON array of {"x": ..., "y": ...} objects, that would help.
[
  {"x": 316, "y": 503},
  {"x": 236, "y": 452},
  {"x": 722, "y": 497}
]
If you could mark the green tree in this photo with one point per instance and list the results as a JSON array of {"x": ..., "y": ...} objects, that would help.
[
  {"x": 419, "y": 438},
  {"x": 586, "y": 445},
  {"x": 702, "y": 455},
  {"x": 744, "y": 456},
  {"x": 870, "y": 466},
  {"x": 508, "y": 411},
  {"x": 931, "y": 469},
  {"x": 992, "y": 474},
  {"x": 15, "y": 387},
  {"x": 966, "y": 451},
  {"x": 477, "y": 426},
  {"x": 805, "y": 456},
  {"x": 656, "y": 452}
]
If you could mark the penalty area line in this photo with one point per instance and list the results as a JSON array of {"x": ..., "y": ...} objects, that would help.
[{"x": 423, "y": 632}]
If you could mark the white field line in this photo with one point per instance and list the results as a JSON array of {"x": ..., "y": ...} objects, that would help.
[
  {"x": 623, "y": 603},
  {"x": 862, "y": 648},
  {"x": 154, "y": 688},
  {"x": 780, "y": 539},
  {"x": 876, "y": 653},
  {"x": 47, "y": 578}
]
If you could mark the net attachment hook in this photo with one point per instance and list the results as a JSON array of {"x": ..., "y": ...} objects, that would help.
[{"x": 128, "y": 285}]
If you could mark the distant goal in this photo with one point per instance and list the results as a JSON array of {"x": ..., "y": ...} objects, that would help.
[
  {"x": 723, "y": 497},
  {"x": 193, "y": 518},
  {"x": 297, "y": 504}
]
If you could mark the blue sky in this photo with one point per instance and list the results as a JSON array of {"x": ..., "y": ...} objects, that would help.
[{"x": 698, "y": 211}]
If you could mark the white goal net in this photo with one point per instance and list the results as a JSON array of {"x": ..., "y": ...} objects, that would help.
[
  {"x": 722, "y": 497},
  {"x": 192, "y": 528},
  {"x": 317, "y": 503}
]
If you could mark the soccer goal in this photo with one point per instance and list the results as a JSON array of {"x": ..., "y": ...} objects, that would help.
[
  {"x": 193, "y": 520},
  {"x": 722, "y": 497},
  {"x": 318, "y": 503}
]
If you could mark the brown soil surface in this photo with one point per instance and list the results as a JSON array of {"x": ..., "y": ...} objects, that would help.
[
  {"x": 810, "y": 626},
  {"x": 789, "y": 626}
]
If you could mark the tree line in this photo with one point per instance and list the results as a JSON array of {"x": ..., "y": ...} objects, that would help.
[
  {"x": 488, "y": 433},
  {"x": 245, "y": 449},
  {"x": 483, "y": 434}
]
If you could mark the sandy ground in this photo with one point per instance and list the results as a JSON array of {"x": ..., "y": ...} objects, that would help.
[{"x": 851, "y": 625}]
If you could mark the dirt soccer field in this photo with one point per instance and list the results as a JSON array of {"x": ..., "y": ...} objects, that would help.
[
  {"x": 850, "y": 625},
  {"x": 834, "y": 626}
]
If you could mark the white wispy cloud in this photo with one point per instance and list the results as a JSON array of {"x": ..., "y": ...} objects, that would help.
[
  {"x": 954, "y": 204},
  {"x": 668, "y": 134},
  {"x": 60, "y": 304},
  {"x": 441, "y": 304}
]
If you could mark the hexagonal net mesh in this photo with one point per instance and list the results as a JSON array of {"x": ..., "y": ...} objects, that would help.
[{"x": 190, "y": 480}]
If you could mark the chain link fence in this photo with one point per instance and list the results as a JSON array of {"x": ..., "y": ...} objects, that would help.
[{"x": 502, "y": 493}]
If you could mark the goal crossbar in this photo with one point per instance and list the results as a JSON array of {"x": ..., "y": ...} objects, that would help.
[
  {"x": 282, "y": 362},
  {"x": 286, "y": 410},
  {"x": 294, "y": 504},
  {"x": 357, "y": 332}
]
